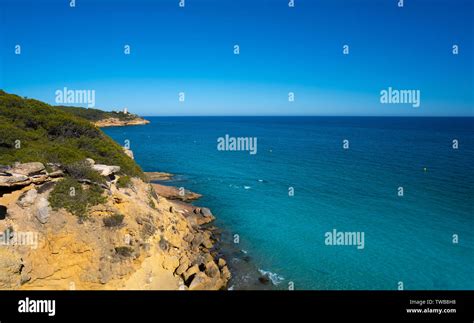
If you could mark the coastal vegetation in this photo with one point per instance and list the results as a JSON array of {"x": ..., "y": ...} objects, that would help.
[
  {"x": 31, "y": 130},
  {"x": 81, "y": 170},
  {"x": 74, "y": 197},
  {"x": 124, "y": 251},
  {"x": 114, "y": 220},
  {"x": 95, "y": 115},
  {"x": 124, "y": 182}
]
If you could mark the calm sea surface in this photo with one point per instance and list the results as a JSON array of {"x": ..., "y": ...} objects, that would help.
[{"x": 407, "y": 239}]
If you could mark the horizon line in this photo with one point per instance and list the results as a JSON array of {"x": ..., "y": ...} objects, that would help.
[{"x": 303, "y": 116}]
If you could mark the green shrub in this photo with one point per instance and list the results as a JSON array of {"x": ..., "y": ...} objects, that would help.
[
  {"x": 151, "y": 203},
  {"x": 124, "y": 182},
  {"x": 124, "y": 251},
  {"x": 70, "y": 195},
  {"x": 113, "y": 220},
  {"x": 82, "y": 170}
]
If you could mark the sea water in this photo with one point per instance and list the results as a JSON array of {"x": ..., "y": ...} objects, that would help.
[{"x": 317, "y": 175}]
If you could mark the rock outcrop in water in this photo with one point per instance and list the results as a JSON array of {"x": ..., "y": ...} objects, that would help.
[
  {"x": 175, "y": 193},
  {"x": 115, "y": 122}
]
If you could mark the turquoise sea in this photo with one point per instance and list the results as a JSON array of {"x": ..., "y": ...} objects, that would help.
[{"x": 407, "y": 238}]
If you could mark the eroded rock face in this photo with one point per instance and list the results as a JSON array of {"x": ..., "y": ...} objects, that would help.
[
  {"x": 4, "y": 170},
  {"x": 206, "y": 212},
  {"x": 175, "y": 193},
  {"x": 25, "y": 174},
  {"x": 106, "y": 170},
  {"x": 170, "y": 263},
  {"x": 42, "y": 210},
  {"x": 226, "y": 273},
  {"x": 14, "y": 180},
  {"x": 152, "y": 248},
  {"x": 35, "y": 173},
  {"x": 10, "y": 268},
  {"x": 28, "y": 198},
  {"x": 28, "y": 169},
  {"x": 212, "y": 270},
  {"x": 203, "y": 282}
]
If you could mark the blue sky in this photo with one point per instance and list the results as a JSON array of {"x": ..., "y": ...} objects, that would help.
[{"x": 283, "y": 50}]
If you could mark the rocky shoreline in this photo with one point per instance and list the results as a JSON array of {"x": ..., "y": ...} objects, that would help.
[
  {"x": 136, "y": 239},
  {"x": 115, "y": 122},
  {"x": 245, "y": 274}
]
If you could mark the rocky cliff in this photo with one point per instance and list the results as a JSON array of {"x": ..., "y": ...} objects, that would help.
[
  {"x": 77, "y": 212},
  {"x": 134, "y": 239}
]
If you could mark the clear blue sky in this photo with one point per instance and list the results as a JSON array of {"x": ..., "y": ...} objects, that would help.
[{"x": 282, "y": 50}]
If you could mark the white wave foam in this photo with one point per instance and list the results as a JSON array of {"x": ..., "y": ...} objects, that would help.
[{"x": 275, "y": 278}]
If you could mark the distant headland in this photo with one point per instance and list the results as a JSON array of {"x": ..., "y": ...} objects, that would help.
[{"x": 106, "y": 118}]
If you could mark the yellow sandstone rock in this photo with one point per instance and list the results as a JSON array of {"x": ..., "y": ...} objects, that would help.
[{"x": 152, "y": 248}]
